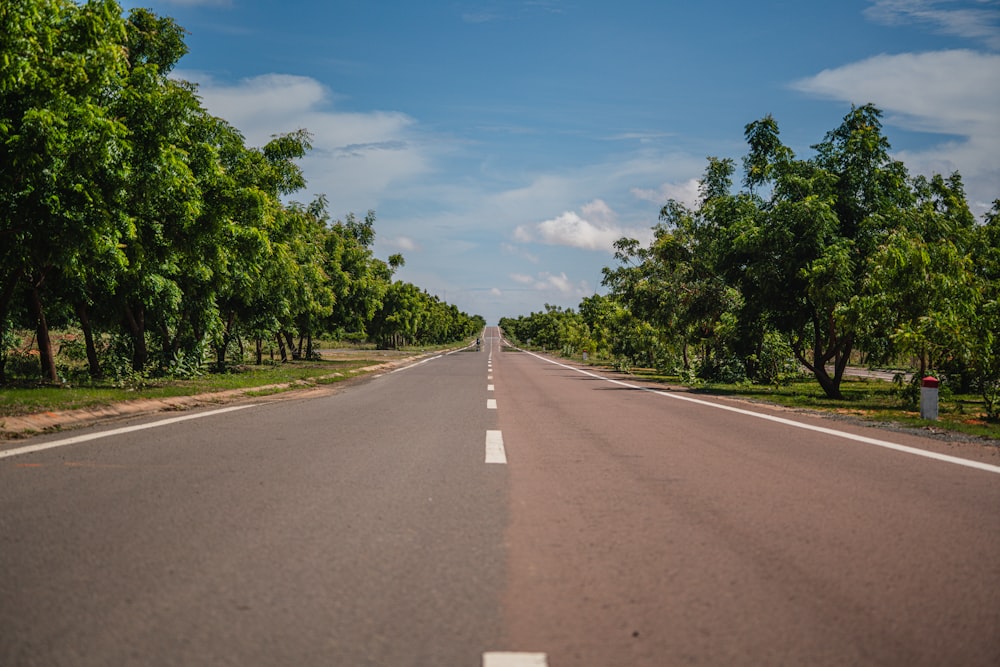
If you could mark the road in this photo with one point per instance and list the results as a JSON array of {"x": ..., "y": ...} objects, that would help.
[{"x": 497, "y": 508}]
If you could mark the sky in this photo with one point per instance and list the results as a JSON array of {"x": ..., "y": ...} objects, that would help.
[{"x": 504, "y": 145}]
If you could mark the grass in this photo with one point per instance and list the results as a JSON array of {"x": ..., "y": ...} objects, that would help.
[
  {"x": 868, "y": 399},
  {"x": 27, "y": 398},
  {"x": 339, "y": 361}
]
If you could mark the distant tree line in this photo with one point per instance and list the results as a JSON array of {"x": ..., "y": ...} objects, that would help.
[
  {"x": 128, "y": 210},
  {"x": 811, "y": 263}
]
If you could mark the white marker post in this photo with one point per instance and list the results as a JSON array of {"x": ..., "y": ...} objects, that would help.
[{"x": 929, "y": 398}]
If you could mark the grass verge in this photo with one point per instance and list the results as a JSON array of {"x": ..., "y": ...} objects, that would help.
[
  {"x": 868, "y": 399},
  {"x": 30, "y": 398}
]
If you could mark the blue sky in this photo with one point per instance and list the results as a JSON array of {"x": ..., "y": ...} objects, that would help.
[{"x": 505, "y": 144}]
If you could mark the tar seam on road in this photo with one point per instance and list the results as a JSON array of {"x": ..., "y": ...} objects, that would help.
[
  {"x": 118, "y": 431},
  {"x": 788, "y": 422}
]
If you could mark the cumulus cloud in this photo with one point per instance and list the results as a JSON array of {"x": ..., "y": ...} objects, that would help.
[
  {"x": 945, "y": 92},
  {"x": 686, "y": 193},
  {"x": 560, "y": 283},
  {"x": 356, "y": 156},
  {"x": 555, "y": 284},
  {"x": 596, "y": 227}
]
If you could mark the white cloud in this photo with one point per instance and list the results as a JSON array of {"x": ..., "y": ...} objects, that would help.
[
  {"x": 556, "y": 284},
  {"x": 686, "y": 193},
  {"x": 948, "y": 92},
  {"x": 560, "y": 283},
  {"x": 596, "y": 227},
  {"x": 978, "y": 20},
  {"x": 356, "y": 156},
  {"x": 404, "y": 243}
]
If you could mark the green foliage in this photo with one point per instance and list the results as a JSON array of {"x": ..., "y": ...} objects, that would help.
[
  {"x": 124, "y": 203},
  {"x": 815, "y": 261}
]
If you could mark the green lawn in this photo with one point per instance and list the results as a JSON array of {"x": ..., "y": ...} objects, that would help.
[
  {"x": 864, "y": 398},
  {"x": 26, "y": 398}
]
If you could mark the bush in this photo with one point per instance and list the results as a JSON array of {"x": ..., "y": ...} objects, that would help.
[{"x": 776, "y": 362}]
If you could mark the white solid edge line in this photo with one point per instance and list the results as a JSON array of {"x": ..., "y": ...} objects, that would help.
[
  {"x": 495, "y": 452},
  {"x": 117, "y": 431},
  {"x": 422, "y": 361},
  {"x": 978, "y": 465},
  {"x": 511, "y": 659}
]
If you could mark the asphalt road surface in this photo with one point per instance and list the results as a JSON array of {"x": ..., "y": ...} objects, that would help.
[{"x": 503, "y": 509}]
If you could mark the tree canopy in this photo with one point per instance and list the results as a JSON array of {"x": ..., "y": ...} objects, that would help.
[
  {"x": 814, "y": 263},
  {"x": 130, "y": 211}
]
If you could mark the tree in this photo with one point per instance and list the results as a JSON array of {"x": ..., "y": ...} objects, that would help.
[
  {"x": 164, "y": 190},
  {"x": 918, "y": 288},
  {"x": 60, "y": 63},
  {"x": 823, "y": 220},
  {"x": 358, "y": 280},
  {"x": 983, "y": 338}
]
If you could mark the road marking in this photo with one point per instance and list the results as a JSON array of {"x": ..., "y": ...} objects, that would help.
[
  {"x": 118, "y": 431},
  {"x": 507, "y": 659},
  {"x": 489, "y": 377},
  {"x": 495, "y": 453},
  {"x": 491, "y": 404},
  {"x": 489, "y": 387},
  {"x": 788, "y": 422},
  {"x": 422, "y": 361}
]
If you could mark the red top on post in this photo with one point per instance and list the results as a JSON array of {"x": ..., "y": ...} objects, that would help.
[{"x": 931, "y": 382}]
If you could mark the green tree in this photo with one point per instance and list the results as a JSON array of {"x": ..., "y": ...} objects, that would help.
[
  {"x": 169, "y": 164},
  {"x": 983, "y": 337},
  {"x": 358, "y": 280},
  {"x": 919, "y": 287},
  {"x": 60, "y": 63},
  {"x": 823, "y": 220}
]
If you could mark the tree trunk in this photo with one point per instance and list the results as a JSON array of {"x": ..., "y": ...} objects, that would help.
[
  {"x": 281, "y": 348},
  {"x": 830, "y": 385},
  {"x": 260, "y": 350},
  {"x": 135, "y": 323},
  {"x": 45, "y": 356},
  {"x": 291, "y": 345},
  {"x": 227, "y": 337},
  {"x": 6, "y": 296},
  {"x": 88, "y": 336}
]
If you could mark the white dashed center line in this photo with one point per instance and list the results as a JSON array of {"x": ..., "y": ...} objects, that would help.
[
  {"x": 495, "y": 452},
  {"x": 506, "y": 659}
]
